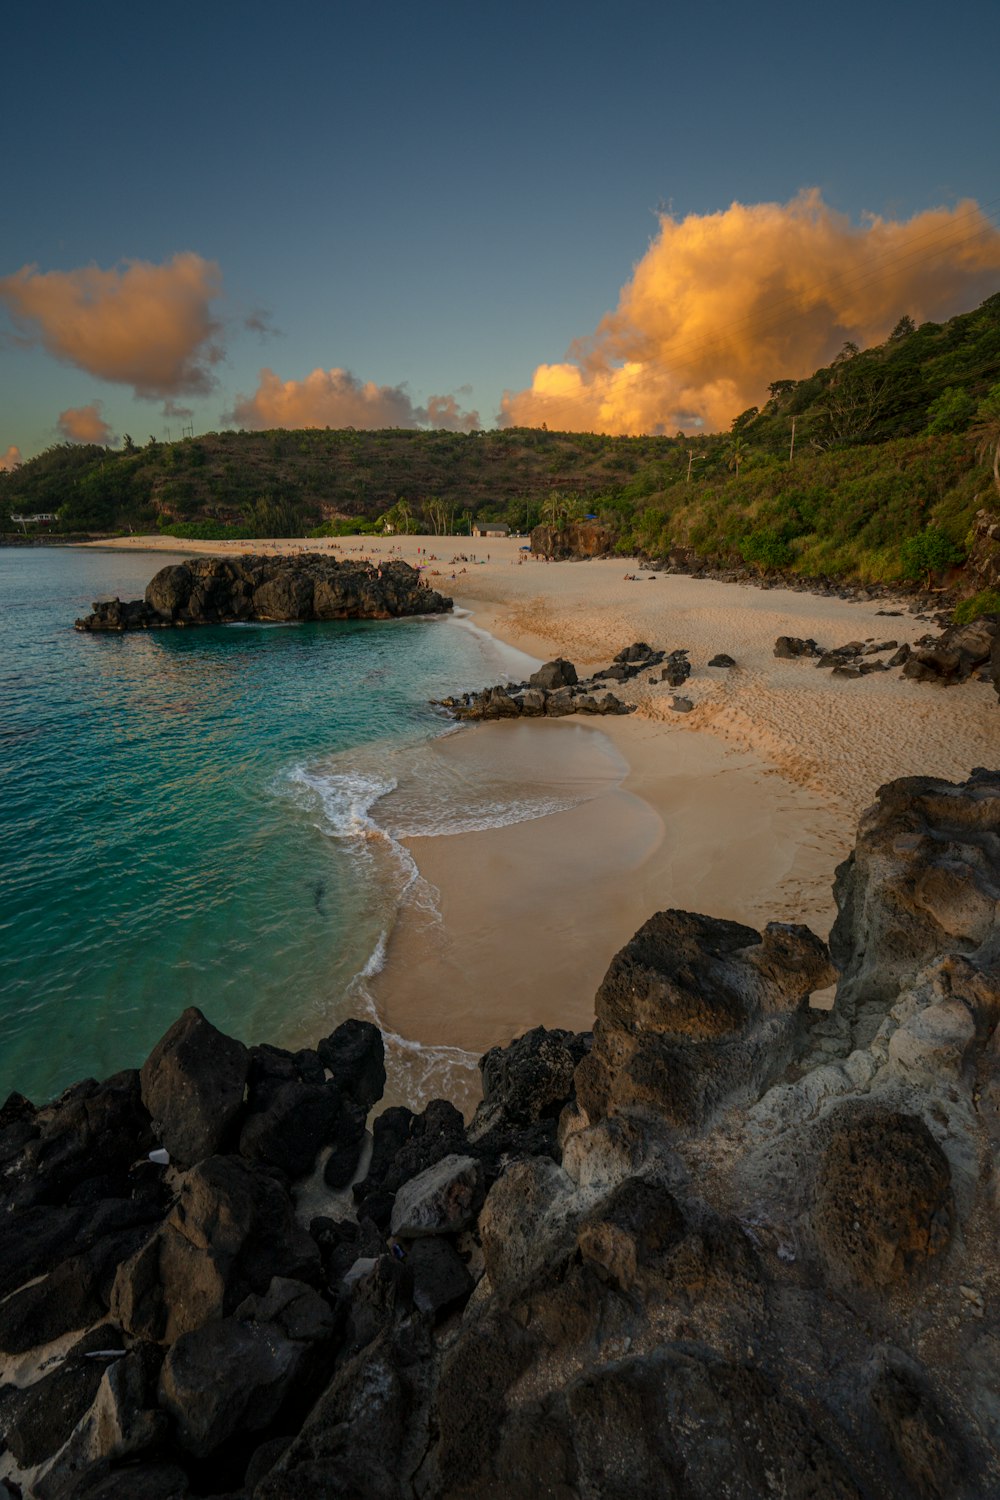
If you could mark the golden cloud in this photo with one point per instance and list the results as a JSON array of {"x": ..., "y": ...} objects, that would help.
[
  {"x": 84, "y": 424},
  {"x": 143, "y": 325},
  {"x": 10, "y": 459},
  {"x": 336, "y": 398},
  {"x": 721, "y": 304}
]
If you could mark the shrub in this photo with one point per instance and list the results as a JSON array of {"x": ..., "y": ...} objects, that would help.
[{"x": 986, "y": 602}]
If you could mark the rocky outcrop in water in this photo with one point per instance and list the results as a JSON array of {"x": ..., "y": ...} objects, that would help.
[
  {"x": 730, "y": 1245},
  {"x": 309, "y": 586}
]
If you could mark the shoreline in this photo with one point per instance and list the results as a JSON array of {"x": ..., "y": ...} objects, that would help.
[{"x": 741, "y": 808}]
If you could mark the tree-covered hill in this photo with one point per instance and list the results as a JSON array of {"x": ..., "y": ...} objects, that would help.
[{"x": 872, "y": 467}]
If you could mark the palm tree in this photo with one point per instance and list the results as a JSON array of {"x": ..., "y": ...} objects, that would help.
[
  {"x": 986, "y": 432},
  {"x": 735, "y": 454}
]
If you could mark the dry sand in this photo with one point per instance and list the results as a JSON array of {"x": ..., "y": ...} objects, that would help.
[{"x": 741, "y": 808}]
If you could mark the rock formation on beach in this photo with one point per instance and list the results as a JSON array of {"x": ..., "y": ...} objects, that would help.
[
  {"x": 308, "y": 586},
  {"x": 728, "y": 1244},
  {"x": 949, "y": 658},
  {"x": 555, "y": 690}
]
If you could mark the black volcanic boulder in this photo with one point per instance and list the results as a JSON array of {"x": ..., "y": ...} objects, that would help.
[
  {"x": 288, "y": 596},
  {"x": 354, "y": 1054},
  {"x": 956, "y": 653},
  {"x": 554, "y": 674},
  {"x": 192, "y": 1084},
  {"x": 308, "y": 586},
  {"x": 695, "y": 1012},
  {"x": 169, "y": 590},
  {"x": 790, "y": 646}
]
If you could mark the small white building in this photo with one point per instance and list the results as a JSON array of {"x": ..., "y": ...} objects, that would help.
[{"x": 490, "y": 528}]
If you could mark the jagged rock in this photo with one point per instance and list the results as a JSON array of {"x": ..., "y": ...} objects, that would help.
[
  {"x": 404, "y": 1145},
  {"x": 678, "y": 669},
  {"x": 722, "y": 660},
  {"x": 884, "y": 1205},
  {"x": 639, "y": 651},
  {"x": 532, "y": 1076},
  {"x": 681, "y": 705},
  {"x": 91, "y": 1134},
  {"x": 144, "y": 1481},
  {"x": 898, "y": 658},
  {"x": 354, "y": 1054},
  {"x": 441, "y": 1200},
  {"x": 554, "y": 674},
  {"x": 923, "y": 878},
  {"x": 791, "y": 646},
  {"x": 636, "y": 1223},
  {"x": 37, "y": 1419},
  {"x": 309, "y": 586},
  {"x": 232, "y": 1229},
  {"x": 225, "y": 1377},
  {"x": 121, "y": 1423},
  {"x": 192, "y": 1085},
  {"x": 956, "y": 654},
  {"x": 299, "y": 1119},
  {"x": 441, "y": 1280},
  {"x": 694, "y": 1012}
]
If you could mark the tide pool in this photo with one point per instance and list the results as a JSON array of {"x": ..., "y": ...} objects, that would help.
[{"x": 187, "y": 815}]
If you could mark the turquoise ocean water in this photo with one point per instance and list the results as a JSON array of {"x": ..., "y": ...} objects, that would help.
[{"x": 191, "y": 817}]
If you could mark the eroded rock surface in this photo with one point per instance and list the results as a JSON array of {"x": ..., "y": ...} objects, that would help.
[
  {"x": 309, "y": 586},
  {"x": 728, "y": 1245}
]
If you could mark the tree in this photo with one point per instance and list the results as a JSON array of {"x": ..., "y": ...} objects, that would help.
[
  {"x": 986, "y": 432},
  {"x": 928, "y": 553},
  {"x": 903, "y": 329},
  {"x": 951, "y": 411},
  {"x": 765, "y": 549},
  {"x": 855, "y": 398},
  {"x": 736, "y": 454}
]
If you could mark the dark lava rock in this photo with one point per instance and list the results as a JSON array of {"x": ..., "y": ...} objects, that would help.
[
  {"x": 681, "y": 705},
  {"x": 554, "y": 674},
  {"x": 956, "y": 654},
  {"x": 722, "y": 660},
  {"x": 354, "y": 1054},
  {"x": 192, "y": 1084},
  {"x": 530, "y": 1078},
  {"x": 791, "y": 646},
  {"x": 299, "y": 1119},
  {"x": 884, "y": 1207},
  {"x": 694, "y": 1010},
  {"x": 224, "y": 1377},
  {"x": 309, "y": 586},
  {"x": 231, "y": 1231},
  {"x": 441, "y": 1280},
  {"x": 37, "y": 1419}
]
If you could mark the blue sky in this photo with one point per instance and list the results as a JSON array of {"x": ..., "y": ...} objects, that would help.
[{"x": 445, "y": 196}]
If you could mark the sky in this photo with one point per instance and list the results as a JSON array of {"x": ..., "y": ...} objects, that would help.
[{"x": 622, "y": 218}]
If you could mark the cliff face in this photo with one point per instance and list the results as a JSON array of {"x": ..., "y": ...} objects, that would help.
[
  {"x": 983, "y": 562},
  {"x": 578, "y": 539},
  {"x": 310, "y": 586},
  {"x": 727, "y": 1245}
]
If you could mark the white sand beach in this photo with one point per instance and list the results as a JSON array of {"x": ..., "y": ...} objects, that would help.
[{"x": 741, "y": 808}]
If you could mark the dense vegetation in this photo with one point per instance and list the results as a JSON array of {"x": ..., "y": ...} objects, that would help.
[{"x": 872, "y": 467}]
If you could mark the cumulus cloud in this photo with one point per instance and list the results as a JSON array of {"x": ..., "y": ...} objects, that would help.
[
  {"x": 143, "y": 325},
  {"x": 721, "y": 304},
  {"x": 84, "y": 424},
  {"x": 336, "y": 398},
  {"x": 10, "y": 459}
]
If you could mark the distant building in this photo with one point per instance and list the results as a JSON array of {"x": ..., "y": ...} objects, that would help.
[{"x": 490, "y": 528}]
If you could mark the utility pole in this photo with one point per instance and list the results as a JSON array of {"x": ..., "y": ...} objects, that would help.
[
  {"x": 791, "y": 450},
  {"x": 690, "y": 462}
]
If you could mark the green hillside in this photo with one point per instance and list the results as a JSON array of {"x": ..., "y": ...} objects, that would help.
[{"x": 872, "y": 468}]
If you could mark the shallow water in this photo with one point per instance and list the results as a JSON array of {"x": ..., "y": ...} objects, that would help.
[{"x": 186, "y": 815}]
